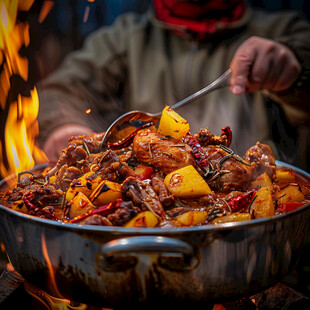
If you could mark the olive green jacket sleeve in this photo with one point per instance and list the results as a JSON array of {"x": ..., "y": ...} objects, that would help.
[
  {"x": 89, "y": 80},
  {"x": 297, "y": 38},
  {"x": 137, "y": 54}
]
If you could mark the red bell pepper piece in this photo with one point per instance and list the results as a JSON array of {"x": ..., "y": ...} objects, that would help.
[
  {"x": 143, "y": 172},
  {"x": 228, "y": 133},
  {"x": 289, "y": 206},
  {"x": 242, "y": 201},
  {"x": 102, "y": 210}
]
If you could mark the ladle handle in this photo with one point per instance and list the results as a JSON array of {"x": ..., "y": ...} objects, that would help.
[{"x": 220, "y": 82}]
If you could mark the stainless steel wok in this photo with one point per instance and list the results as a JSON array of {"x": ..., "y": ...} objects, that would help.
[{"x": 115, "y": 266}]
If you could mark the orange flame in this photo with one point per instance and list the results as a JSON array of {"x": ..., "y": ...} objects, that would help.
[
  {"x": 51, "y": 302},
  {"x": 49, "y": 267},
  {"x": 86, "y": 14},
  {"x": 18, "y": 151},
  {"x": 46, "y": 8}
]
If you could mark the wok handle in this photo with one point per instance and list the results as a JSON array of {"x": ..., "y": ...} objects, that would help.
[{"x": 174, "y": 254}]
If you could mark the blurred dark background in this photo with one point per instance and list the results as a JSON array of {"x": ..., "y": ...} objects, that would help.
[{"x": 70, "y": 21}]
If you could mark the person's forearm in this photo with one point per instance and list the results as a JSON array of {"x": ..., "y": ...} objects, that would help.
[{"x": 57, "y": 109}]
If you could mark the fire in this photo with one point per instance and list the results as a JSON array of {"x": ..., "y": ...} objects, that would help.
[
  {"x": 46, "y": 8},
  {"x": 51, "y": 302},
  {"x": 50, "y": 268},
  {"x": 18, "y": 151}
]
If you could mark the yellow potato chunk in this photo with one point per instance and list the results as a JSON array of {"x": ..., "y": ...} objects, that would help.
[
  {"x": 105, "y": 193},
  {"x": 85, "y": 184},
  {"x": 79, "y": 205},
  {"x": 172, "y": 124},
  {"x": 289, "y": 193},
  {"x": 143, "y": 219},
  {"x": 186, "y": 182},
  {"x": 52, "y": 179},
  {"x": 192, "y": 218},
  {"x": 263, "y": 204},
  {"x": 263, "y": 181},
  {"x": 19, "y": 206},
  {"x": 285, "y": 175},
  {"x": 240, "y": 217}
]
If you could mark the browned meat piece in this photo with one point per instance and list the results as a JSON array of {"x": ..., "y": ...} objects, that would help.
[
  {"x": 39, "y": 195},
  {"x": 65, "y": 176},
  {"x": 93, "y": 141},
  {"x": 262, "y": 157},
  {"x": 124, "y": 157},
  {"x": 229, "y": 174},
  {"x": 123, "y": 214},
  {"x": 164, "y": 154},
  {"x": 108, "y": 166},
  {"x": 46, "y": 194},
  {"x": 96, "y": 219},
  {"x": 142, "y": 195},
  {"x": 205, "y": 137},
  {"x": 8, "y": 197},
  {"x": 212, "y": 203},
  {"x": 75, "y": 152},
  {"x": 124, "y": 170},
  {"x": 173, "y": 213},
  {"x": 104, "y": 164},
  {"x": 132, "y": 189},
  {"x": 26, "y": 179},
  {"x": 79, "y": 147},
  {"x": 159, "y": 187},
  {"x": 199, "y": 202}
]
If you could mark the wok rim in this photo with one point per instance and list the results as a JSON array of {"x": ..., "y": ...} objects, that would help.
[{"x": 159, "y": 230}]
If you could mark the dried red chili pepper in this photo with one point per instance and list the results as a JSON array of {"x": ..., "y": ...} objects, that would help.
[
  {"x": 242, "y": 201},
  {"x": 34, "y": 210},
  {"x": 198, "y": 152},
  {"x": 102, "y": 210},
  {"x": 28, "y": 204},
  {"x": 127, "y": 140},
  {"x": 228, "y": 133}
]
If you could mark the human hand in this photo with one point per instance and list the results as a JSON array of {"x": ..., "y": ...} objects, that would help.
[
  {"x": 263, "y": 64},
  {"x": 58, "y": 139}
]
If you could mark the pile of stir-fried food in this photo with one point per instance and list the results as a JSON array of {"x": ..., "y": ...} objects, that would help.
[{"x": 165, "y": 177}]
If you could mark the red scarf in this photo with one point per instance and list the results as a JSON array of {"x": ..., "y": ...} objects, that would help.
[{"x": 200, "y": 19}]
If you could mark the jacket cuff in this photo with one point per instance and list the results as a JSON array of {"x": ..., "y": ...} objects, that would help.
[{"x": 303, "y": 56}]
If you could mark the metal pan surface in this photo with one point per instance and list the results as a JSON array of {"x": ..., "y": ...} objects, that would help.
[{"x": 115, "y": 266}]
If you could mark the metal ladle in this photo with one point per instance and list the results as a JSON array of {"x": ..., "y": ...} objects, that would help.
[{"x": 132, "y": 120}]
